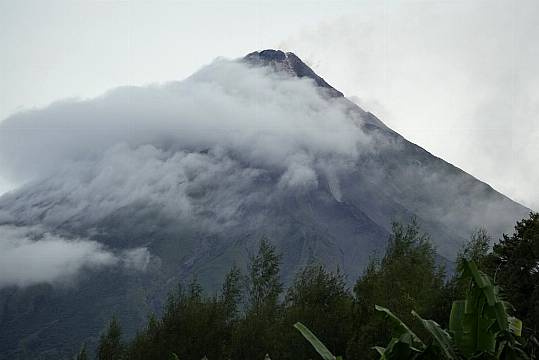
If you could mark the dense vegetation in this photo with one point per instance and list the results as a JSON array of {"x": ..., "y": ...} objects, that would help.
[
  {"x": 480, "y": 327},
  {"x": 254, "y": 316}
]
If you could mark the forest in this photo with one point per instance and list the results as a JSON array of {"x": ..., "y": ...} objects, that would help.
[{"x": 382, "y": 317}]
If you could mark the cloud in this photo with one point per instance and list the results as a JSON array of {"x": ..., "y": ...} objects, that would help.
[
  {"x": 135, "y": 259},
  {"x": 28, "y": 256},
  {"x": 227, "y": 104},
  {"x": 199, "y": 151},
  {"x": 226, "y": 128},
  {"x": 208, "y": 152}
]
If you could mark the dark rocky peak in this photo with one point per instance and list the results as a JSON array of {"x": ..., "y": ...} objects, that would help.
[
  {"x": 291, "y": 64},
  {"x": 288, "y": 62}
]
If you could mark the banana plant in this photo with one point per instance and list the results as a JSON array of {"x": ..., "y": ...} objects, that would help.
[
  {"x": 406, "y": 345},
  {"x": 480, "y": 322},
  {"x": 480, "y": 327},
  {"x": 320, "y": 348}
]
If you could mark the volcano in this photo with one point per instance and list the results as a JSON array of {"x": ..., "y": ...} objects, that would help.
[{"x": 184, "y": 179}]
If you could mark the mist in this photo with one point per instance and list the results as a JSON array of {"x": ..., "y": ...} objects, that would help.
[
  {"x": 227, "y": 105},
  {"x": 202, "y": 151},
  {"x": 209, "y": 142},
  {"x": 29, "y": 256}
]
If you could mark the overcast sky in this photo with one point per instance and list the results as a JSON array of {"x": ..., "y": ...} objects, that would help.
[{"x": 460, "y": 78}]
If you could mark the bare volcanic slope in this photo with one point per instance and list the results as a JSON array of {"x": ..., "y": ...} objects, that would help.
[{"x": 129, "y": 193}]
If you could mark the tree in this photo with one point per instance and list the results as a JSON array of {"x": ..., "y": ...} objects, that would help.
[
  {"x": 264, "y": 281},
  {"x": 231, "y": 292},
  {"x": 320, "y": 300},
  {"x": 198, "y": 327},
  {"x": 480, "y": 327},
  {"x": 256, "y": 335},
  {"x": 514, "y": 265},
  {"x": 82, "y": 353},
  {"x": 110, "y": 345},
  {"x": 406, "y": 278},
  {"x": 476, "y": 250},
  {"x": 230, "y": 298}
]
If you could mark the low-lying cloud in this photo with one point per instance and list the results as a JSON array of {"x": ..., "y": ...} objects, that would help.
[
  {"x": 200, "y": 149},
  {"x": 213, "y": 153},
  {"x": 261, "y": 115},
  {"x": 226, "y": 127},
  {"x": 28, "y": 256}
]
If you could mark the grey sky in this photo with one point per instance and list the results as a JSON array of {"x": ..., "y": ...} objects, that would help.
[{"x": 457, "y": 77}]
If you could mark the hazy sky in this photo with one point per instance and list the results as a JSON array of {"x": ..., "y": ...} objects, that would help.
[{"x": 459, "y": 78}]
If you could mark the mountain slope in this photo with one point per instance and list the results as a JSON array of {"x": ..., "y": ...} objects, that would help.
[{"x": 193, "y": 174}]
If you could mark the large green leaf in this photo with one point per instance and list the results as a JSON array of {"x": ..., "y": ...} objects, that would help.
[
  {"x": 515, "y": 325},
  {"x": 482, "y": 317},
  {"x": 379, "y": 349},
  {"x": 317, "y": 344},
  {"x": 488, "y": 291},
  {"x": 399, "y": 326},
  {"x": 479, "y": 327},
  {"x": 440, "y": 336},
  {"x": 456, "y": 316},
  {"x": 399, "y": 349}
]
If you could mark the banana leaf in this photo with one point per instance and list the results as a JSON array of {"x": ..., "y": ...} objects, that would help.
[
  {"x": 317, "y": 344},
  {"x": 400, "y": 327},
  {"x": 441, "y": 338},
  {"x": 515, "y": 326}
]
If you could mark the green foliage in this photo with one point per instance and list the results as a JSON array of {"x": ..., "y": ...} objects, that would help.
[
  {"x": 110, "y": 345},
  {"x": 264, "y": 282},
  {"x": 514, "y": 264},
  {"x": 82, "y": 353},
  {"x": 317, "y": 344},
  {"x": 407, "y": 345},
  {"x": 256, "y": 335},
  {"x": 478, "y": 327},
  {"x": 192, "y": 326},
  {"x": 476, "y": 249},
  {"x": 319, "y": 299},
  {"x": 441, "y": 340},
  {"x": 477, "y": 320},
  {"x": 253, "y": 318},
  {"x": 231, "y": 293},
  {"x": 406, "y": 278},
  {"x": 195, "y": 326},
  {"x": 404, "y": 345},
  {"x": 399, "y": 328}
]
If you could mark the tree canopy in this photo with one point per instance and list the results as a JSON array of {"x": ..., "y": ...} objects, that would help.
[{"x": 253, "y": 315}]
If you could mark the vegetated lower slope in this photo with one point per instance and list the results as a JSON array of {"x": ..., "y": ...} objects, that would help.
[
  {"x": 253, "y": 316},
  {"x": 200, "y": 200}
]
